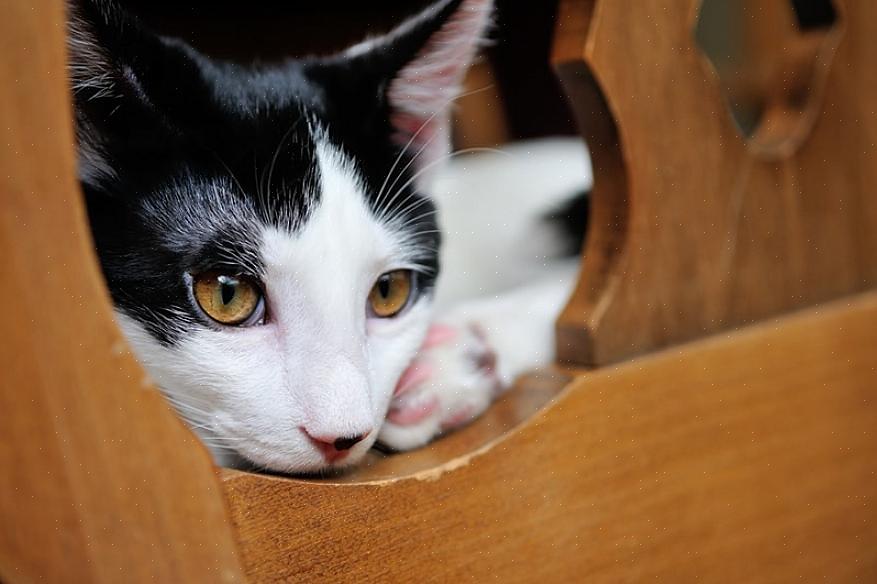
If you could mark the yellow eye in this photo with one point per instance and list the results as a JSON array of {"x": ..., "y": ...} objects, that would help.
[
  {"x": 227, "y": 299},
  {"x": 391, "y": 293}
]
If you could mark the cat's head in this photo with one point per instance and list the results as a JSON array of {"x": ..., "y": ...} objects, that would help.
[{"x": 264, "y": 232}]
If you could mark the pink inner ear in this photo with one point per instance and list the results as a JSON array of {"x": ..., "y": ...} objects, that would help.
[
  {"x": 421, "y": 94},
  {"x": 409, "y": 126}
]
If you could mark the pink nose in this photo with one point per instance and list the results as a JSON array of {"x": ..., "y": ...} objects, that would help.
[
  {"x": 347, "y": 443},
  {"x": 339, "y": 443}
]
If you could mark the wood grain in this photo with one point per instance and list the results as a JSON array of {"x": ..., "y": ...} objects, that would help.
[
  {"x": 100, "y": 482},
  {"x": 697, "y": 229},
  {"x": 750, "y": 457}
]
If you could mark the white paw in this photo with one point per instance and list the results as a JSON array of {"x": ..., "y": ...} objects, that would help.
[{"x": 451, "y": 381}]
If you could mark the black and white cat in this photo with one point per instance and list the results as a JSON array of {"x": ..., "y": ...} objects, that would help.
[{"x": 270, "y": 240}]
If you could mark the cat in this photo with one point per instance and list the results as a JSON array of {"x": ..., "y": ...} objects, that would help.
[{"x": 269, "y": 237}]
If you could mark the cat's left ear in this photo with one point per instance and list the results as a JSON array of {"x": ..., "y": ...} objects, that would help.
[{"x": 418, "y": 69}]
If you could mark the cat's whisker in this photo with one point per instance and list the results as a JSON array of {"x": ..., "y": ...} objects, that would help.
[
  {"x": 390, "y": 202},
  {"x": 403, "y": 210},
  {"x": 442, "y": 160},
  {"x": 402, "y": 226},
  {"x": 442, "y": 109},
  {"x": 402, "y": 153},
  {"x": 414, "y": 220},
  {"x": 421, "y": 244},
  {"x": 231, "y": 174},
  {"x": 193, "y": 417},
  {"x": 401, "y": 172},
  {"x": 177, "y": 403},
  {"x": 219, "y": 440},
  {"x": 257, "y": 182},
  {"x": 277, "y": 152},
  {"x": 446, "y": 107},
  {"x": 439, "y": 161},
  {"x": 220, "y": 447}
]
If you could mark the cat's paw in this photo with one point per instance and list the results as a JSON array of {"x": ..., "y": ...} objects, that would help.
[{"x": 451, "y": 381}]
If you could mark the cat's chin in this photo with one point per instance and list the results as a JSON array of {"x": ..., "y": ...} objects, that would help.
[
  {"x": 228, "y": 459},
  {"x": 295, "y": 465}
]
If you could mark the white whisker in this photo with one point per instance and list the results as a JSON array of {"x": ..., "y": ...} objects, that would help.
[
  {"x": 441, "y": 161},
  {"x": 444, "y": 107}
]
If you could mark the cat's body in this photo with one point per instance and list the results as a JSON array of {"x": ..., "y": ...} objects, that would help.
[
  {"x": 506, "y": 273},
  {"x": 270, "y": 244}
]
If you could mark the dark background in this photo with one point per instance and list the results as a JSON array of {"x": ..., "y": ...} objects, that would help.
[{"x": 533, "y": 104}]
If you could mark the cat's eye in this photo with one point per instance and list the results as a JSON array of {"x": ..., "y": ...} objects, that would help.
[
  {"x": 232, "y": 300},
  {"x": 391, "y": 293}
]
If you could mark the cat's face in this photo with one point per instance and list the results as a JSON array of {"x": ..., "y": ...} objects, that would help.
[{"x": 265, "y": 233}]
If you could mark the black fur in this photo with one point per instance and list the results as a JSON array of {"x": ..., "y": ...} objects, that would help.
[
  {"x": 172, "y": 124},
  {"x": 570, "y": 220}
]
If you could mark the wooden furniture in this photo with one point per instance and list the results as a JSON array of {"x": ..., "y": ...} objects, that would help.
[
  {"x": 747, "y": 454},
  {"x": 697, "y": 230}
]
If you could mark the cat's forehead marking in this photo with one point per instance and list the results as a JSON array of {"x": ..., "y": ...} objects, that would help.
[{"x": 341, "y": 234}]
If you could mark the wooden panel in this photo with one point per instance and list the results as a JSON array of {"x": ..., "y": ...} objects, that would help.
[
  {"x": 745, "y": 458},
  {"x": 100, "y": 482},
  {"x": 695, "y": 228}
]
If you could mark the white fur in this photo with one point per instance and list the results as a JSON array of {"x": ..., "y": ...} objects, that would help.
[
  {"x": 89, "y": 66},
  {"x": 491, "y": 207}
]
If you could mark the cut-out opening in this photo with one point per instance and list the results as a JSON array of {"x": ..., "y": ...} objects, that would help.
[
  {"x": 511, "y": 411},
  {"x": 814, "y": 14},
  {"x": 608, "y": 210},
  {"x": 771, "y": 57}
]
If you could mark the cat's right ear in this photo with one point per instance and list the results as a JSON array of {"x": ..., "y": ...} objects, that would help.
[
  {"x": 97, "y": 86},
  {"x": 410, "y": 77},
  {"x": 128, "y": 85}
]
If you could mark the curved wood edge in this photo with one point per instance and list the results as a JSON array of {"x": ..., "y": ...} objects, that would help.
[
  {"x": 607, "y": 230},
  {"x": 793, "y": 100},
  {"x": 747, "y": 457},
  {"x": 100, "y": 482},
  {"x": 695, "y": 231}
]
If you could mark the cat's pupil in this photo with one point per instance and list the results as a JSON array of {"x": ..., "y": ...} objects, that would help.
[
  {"x": 227, "y": 289},
  {"x": 384, "y": 286}
]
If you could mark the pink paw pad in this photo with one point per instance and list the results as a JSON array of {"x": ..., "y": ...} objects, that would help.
[
  {"x": 408, "y": 415},
  {"x": 416, "y": 374},
  {"x": 439, "y": 334},
  {"x": 457, "y": 418}
]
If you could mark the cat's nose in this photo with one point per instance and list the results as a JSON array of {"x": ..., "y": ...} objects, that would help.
[
  {"x": 339, "y": 443},
  {"x": 347, "y": 443}
]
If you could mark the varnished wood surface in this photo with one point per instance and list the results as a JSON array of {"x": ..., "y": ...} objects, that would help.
[
  {"x": 695, "y": 228},
  {"x": 530, "y": 393},
  {"x": 749, "y": 457},
  {"x": 99, "y": 482},
  {"x": 746, "y": 457}
]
